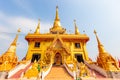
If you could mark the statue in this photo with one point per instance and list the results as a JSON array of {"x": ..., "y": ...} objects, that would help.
[
  {"x": 84, "y": 72},
  {"x": 41, "y": 63},
  {"x": 33, "y": 72},
  {"x": 47, "y": 58},
  {"x": 75, "y": 63}
]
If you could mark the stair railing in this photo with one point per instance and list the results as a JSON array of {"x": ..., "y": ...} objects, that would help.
[
  {"x": 45, "y": 71},
  {"x": 70, "y": 70},
  {"x": 17, "y": 68},
  {"x": 96, "y": 68}
]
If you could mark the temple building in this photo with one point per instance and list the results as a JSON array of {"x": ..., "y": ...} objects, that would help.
[
  {"x": 57, "y": 44},
  {"x": 58, "y": 55}
]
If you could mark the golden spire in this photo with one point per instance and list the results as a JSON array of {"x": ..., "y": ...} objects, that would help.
[
  {"x": 57, "y": 28},
  {"x": 76, "y": 28},
  {"x": 13, "y": 45},
  {"x": 105, "y": 60},
  {"x": 9, "y": 58},
  {"x": 57, "y": 24},
  {"x": 57, "y": 16},
  {"x": 37, "y": 31},
  {"x": 100, "y": 46}
]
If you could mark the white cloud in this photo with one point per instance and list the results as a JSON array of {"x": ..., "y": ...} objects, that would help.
[
  {"x": 26, "y": 24},
  {"x": 8, "y": 29},
  {"x": 5, "y": 37},
  {"x": 24, "y": 5}
]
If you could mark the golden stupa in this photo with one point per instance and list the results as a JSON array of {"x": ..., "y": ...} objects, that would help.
[{"x": 9, "y": 60}]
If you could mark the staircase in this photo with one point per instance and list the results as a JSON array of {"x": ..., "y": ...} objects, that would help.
[
  {"x": 3, "y": 75},
  {"x": 99, "y": 72},
  {"x": 95, "y": 74},
  {"x": 19, "y": 73},
  {"x": 58, "y": 73}
]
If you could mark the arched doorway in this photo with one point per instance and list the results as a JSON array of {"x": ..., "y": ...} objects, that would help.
[{"x": 57, "y": 59}]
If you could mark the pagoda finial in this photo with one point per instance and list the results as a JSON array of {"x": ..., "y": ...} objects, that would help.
[
  {"x": 57, "y": 24},
  {"x": 57, "y": 16},
  {"x": 12, "y": 49},
  {"x": 37, "y": 31},
  {"x": 97, "y": 37},
  {"x": 57, "y": 28},
  {"x": 100, "y": 46},
  {"x": 76, "y": 28},
  {"x": 16, "y": 38}
]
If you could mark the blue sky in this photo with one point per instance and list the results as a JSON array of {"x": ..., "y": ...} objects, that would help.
[{"x": 101, "y": 15}]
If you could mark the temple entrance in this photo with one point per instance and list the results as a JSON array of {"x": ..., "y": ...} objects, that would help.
[
  {"x": 57, "y": 59},
  {"x": 36, "y": 57},
  {"x": 79, "y": 57}
]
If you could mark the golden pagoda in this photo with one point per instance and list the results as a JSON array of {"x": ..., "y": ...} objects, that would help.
[
  {"x": 9, "y": 59},
  {"x": 104, "y": 59},
  {"x": 33, "y": 72}
]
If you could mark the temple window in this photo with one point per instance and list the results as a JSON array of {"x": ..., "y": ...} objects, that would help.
[
  {"x": 37, "y": 44},
  {"x": 35, "y": 56},
  {"x": 77, "y": 45}
]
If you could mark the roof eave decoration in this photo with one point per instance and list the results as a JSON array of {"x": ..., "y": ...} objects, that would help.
[{"x": 62, "y": 44}]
